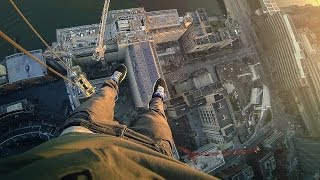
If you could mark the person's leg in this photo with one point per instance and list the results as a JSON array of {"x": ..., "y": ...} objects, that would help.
[
  {"x": 100, "y": 108},
  {"x": 154, "y": 122}
]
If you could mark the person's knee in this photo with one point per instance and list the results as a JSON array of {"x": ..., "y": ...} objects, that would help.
[{"x": 159, "y": 112}]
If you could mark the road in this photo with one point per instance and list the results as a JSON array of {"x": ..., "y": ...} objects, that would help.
[{"x": 240, "y": 11}]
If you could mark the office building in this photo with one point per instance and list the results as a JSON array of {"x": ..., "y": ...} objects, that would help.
[
  {"x": 281, "y": 49},
  {"x": 143, "y": 72},
  {"x": 206, "y": 159},
  {"x": 237, "y": 172},
  {"x": 22, "y": 70},
  {"x": 269, "y": 6},
  {"x": 308, "y": 152},
  {"x": 286, "y": 3},
  {"x": 308, "y": 97},
  {"x": 201, "y": 35},
  {"x": 293, "y": 62},
  {"x": 165, "y": 25},
  {"x": 263, "y": 164},
  {"x": 205, "y": 105}
]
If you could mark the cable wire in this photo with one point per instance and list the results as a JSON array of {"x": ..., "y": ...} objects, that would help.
[
  {"x": 39, "y": 36},
  {"x": 12, "y": 42}
]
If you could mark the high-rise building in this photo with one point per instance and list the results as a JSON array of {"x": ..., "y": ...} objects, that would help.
[
  {"x": 263, "y": 164},
  {"x": 308, "y": 97},
  {"x": 237, "y": 172},
  {"x": 165, "y": 25},
  {"x": 308, "y": 152},
  {"x": 205, "y": 104},
  {"x": 281, "y": 49},
  {"x": 285, "y": 3},
  {"x": 143, "y": 72},
  {"x": 293, "y": 62},
  {"x": 201, "y": 36},
  {"x": 269, "y": 6},
  {"x": 207, "y": 158},
  {"x": 21, "y": 70}
]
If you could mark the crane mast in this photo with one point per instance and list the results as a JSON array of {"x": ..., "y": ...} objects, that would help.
[{"x": 101, "y": 47}]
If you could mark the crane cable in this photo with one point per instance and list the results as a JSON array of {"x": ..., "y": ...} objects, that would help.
[
  {"x": 12, "y": 42},
  {"x": 39, "y": 36}
]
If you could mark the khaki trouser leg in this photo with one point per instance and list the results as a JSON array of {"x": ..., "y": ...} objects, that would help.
[
  {"x": 154, "y": 122},
  {"x": 100, "y": 108}
]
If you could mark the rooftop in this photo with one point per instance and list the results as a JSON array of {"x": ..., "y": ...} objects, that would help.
[
  {"x": 240, "y": 171},
  {"x": 208, "y": 159},
  {"x": 145, "y": 69},
  {"x": 51, "y": 98},
  {"x": 196, "y": 126},
  {"x": 163, "y": 19},
  {"x": 308, "y": 153},
  {"x": 223, "y": 113},
  {"x": 20, "y": 67}
]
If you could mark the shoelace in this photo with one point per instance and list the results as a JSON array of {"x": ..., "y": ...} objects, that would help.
[
  {"x": 160, "y": 91},
  {"x": 116, "y": 76}
]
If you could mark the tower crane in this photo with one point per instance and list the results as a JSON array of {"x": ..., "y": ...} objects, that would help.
[{"x": 98, "y": 55}]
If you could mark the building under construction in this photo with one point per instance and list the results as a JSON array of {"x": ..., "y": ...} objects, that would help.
[{"x": 130, "y": 35}]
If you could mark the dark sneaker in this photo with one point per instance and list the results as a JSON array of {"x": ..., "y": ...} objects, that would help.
[
  {"x": 159, "y": 88},
  {"x": 119, "y": 74}
]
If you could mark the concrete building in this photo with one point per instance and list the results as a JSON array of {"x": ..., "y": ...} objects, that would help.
[
  {"x": 165, "y": 25},
  {"x": 201, "y": 35},
  {"x": 22, "y": 106},
  {"x": 143, "y": 71},
  {"x": 269, "y": 6},
  {"x": 273, "y": 141},
  {"x": 293, "y": 60},
  {"x": 260, "y": 103},
  {"x": 197, "y": 80},
  {"x": 217, "y": 121},
  {"x": 237, "y": 172},
  {"x": 282, "y": 51},
  {"x": 263, "y": 164},
  {"x": 205, "y": 159},
  {"x": 285, "y": 3},
  {"x": 308, "y": 97},
  {"x": 207, "y": 109},
  {"x": 308, "y": 152},
  {"x": 22, "y": 70},
  {"x": 124, "y": 27}
]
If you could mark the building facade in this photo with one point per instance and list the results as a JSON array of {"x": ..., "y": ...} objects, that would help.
[
  {"x": 165, "y": 25},
  {"x": 206, "y": 107},
  {"x": 22, "y": 70},
  {"x": 282, "y": 51},
  {"x": 269, "y": 6},
  {"x": 237, "y": 172},
  {"x": 286, "y": 3},
  {"x": 206, "y": 159},
  {"x": 143, "y": 72},
  {"x": 308, "y": 97},
  {"x": 201, "y": 35}
]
